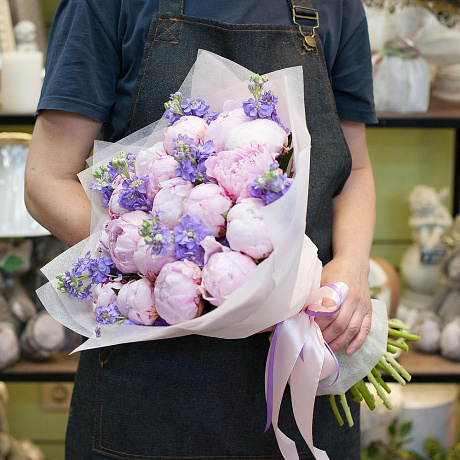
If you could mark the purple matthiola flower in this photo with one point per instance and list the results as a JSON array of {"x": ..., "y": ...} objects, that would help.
[
  {"x": 156, "y": 235},
  {"x": 256, "y": 108},
  {"x": 210, "y": 116},
  {"x": 108, "y": 314},
  {"x": 204, "y": 151},
  {"x": 133, "y": 195},
  {"x": 78, "y": 281},
  {"x": 271, "y": 185},
  {"x": 101, "y": 269},
  {"x": 187, "y": 237},
  {"x": 269, "y": 98},
  {"x": 104, "y": 176},
  {"x": 173, "y": 108},
  {"x": 160, "y": 322},
  {"x": 190, "y": 158},
  {"x": 251, "y": 107},
  {"x": 161, "y": 242},
  {"x": 196, "y": 107}
]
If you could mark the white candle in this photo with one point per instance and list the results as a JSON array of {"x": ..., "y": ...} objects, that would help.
[{"x": 21, "y": 80}]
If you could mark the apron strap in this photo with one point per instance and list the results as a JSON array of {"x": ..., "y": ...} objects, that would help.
[
  {"x": 171, "y": 6},
  {"x": 303, "y": 10},
  {"x": 302, "y": 3}
]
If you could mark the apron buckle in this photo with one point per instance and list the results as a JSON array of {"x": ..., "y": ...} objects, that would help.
[{"x": 302, "y": 12}]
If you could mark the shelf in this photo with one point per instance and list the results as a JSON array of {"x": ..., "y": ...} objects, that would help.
[
  {"x": 16, "y": 118},
  {"x": 440, "y": 114},
  {"x": 60, "y": 368},
  {"x": 428, "y": 368}
]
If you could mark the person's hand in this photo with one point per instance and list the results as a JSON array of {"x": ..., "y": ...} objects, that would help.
[{"x": 351, "y": 324}]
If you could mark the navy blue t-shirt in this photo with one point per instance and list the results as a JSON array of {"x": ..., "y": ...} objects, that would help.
[{"x": 95, "y": 52}]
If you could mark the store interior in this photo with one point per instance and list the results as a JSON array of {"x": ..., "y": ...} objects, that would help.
[{"x": 415, "y": 155}]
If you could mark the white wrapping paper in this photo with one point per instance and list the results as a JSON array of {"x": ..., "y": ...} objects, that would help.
[
  {"x": 278, "y": 287},
  {"x": 402, "y": 84}
]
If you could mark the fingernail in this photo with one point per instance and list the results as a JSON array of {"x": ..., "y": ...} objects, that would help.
[{"x": 351, "y": 350}]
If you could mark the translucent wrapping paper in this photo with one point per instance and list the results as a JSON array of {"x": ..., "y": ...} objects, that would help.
[
  {"x": 404, "y": 43},
  {"x": 278, "y": 288}
]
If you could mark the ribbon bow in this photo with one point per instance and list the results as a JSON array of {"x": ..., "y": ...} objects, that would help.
[
  {"x": 403, "y": 47},
  {"x": 298, "y": 352}
]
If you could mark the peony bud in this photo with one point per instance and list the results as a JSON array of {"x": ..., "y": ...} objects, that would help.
[
  {"x": 137, "y": 303},
  {"x": 219, "y": 129},
  {"x": 123, "y": 238},
  {"x": 210, "y": 203},
  {"x": 235, "y": 170},
  {"x": 170, "y": 200},
  {"x": 247, "y": 231},
  {"x": 190, "y": 126},
  {"x": 220, "y": 262},
  {"x": 260, "y": 131},
  {"x": 149, "y": 264},
  {"x": 178, "y": 292}
]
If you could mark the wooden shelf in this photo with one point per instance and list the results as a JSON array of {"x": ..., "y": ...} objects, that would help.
[
  {"x": 16, "y": 118},
  {"x": 60, "y": 368},
  {"x": 430, "y": 368},
  {"x": 440, "y": 114}
]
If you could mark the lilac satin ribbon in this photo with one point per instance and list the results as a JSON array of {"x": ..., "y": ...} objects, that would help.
[{"x": 299, "y": 352}]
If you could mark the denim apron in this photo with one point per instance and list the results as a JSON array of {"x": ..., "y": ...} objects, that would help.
[{"x": 198, "y": 397}]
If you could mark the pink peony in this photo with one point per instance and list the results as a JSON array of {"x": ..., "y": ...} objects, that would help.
[
  {"x": 158, "y": 165},
  {"x": 235, "y": 170},
  {"x": 247, "y": 231},
  {"x": 147, "y": 263},
  {"x": 210, "y": 203},
  {"x": 102, "y": 245},
  {"x": 194, "y": 127},
  {"x": 178, "y": 292},
  {"x": 224, "y": 271},
  {"x": 232, "y": 129},
  {"x": 170, "y": 200},
  {"x": 219, "y": 129},
  {"x": 115, "y": 210},
  {"x": 261, "y": 131},
  {"x": 104, "y": 294},
  {"x": 123, "y": 238},
  {"x": 137, "y": 303}
]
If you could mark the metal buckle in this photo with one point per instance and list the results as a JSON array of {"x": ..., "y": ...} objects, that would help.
[{"x": 302, "y": 12}]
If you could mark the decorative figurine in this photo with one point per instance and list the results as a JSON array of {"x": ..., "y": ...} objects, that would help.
[
  {"x": 26, "y": 36},
  {"x": 420, "y": 264}
]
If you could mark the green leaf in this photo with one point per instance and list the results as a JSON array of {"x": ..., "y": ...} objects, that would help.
[
  {"x": 284, "y": 160},
  {"x": 405, "y": 429},
  {"x": 12, "y": 263},
  {"x": 392, "y": 429},
  {"x": 434, "y": 449}
]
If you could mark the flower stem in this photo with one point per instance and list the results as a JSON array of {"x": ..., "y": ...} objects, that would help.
[
  {"x": 357, "y": 396},
  {"x": 335, "y": 409},
  {"x": 398, "y": 367},
  {"x": 346, "y": 409},
  {"x": 401, "y": 345},
  {"x": 388, "y": 368},
  {"x": 404, "y": 335},
  {"x": 398, "y": 325},
  {"x": 391, "y": 349},
  {"x": 379, "y": 379},
  {"x": 366, "y": 394},
  {"x": 380, "y": 392}
]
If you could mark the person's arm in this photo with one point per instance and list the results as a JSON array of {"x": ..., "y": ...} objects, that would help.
[
  {"x": 60, "y": 145},
  {"x": 353, "y": 229}
]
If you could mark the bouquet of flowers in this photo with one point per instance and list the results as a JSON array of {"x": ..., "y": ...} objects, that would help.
[{"x": 198, "y": 228}]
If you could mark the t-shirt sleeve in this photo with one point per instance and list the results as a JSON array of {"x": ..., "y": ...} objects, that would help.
[
  {"x": 82, "y": 64},
  {"x": 351, "y": 75}
]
